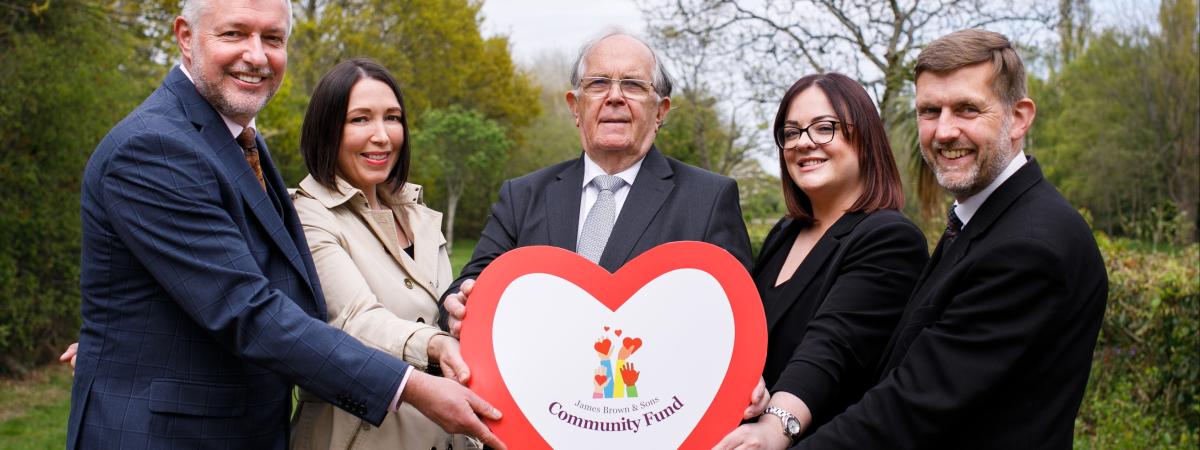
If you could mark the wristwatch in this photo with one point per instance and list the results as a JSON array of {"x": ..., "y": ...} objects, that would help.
[{"x": 791, "y": 425}]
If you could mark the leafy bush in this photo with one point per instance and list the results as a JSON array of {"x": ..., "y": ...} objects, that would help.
[{"x": 1145, "y": 382}]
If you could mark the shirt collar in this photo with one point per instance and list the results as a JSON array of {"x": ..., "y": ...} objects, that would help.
[
  {"x": 592, "y": 170},
  {"x": 967, "y": 208},
  {"x": 234, "y": 128}
]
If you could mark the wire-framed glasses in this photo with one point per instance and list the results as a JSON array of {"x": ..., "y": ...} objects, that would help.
[{"x": 632, "y": 89}]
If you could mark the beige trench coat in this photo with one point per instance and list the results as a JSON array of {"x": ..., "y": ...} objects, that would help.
[{"x": 378, "y": 294}]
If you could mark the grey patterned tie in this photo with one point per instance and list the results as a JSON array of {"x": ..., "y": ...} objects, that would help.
[{"x": 600, "y": 218}]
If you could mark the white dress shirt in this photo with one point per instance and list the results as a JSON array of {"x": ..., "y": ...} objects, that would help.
[{"x": 967, "y": 208}]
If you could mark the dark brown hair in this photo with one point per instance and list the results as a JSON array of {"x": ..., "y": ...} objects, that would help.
[
  {"x": 321, "y": 133},
  {"x": 974, "y": 46},
  {"x": 863, "y": 129}
]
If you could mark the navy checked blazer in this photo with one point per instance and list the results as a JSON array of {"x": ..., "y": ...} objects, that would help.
[{"x": 201, "y": 306}]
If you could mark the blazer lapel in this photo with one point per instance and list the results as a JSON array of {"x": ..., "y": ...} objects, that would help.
[
  {"x": 562, "y": 206},
  {"x": 813, "y": 264},
  {"x": 772, "y": 244},
  {"x": 226, "y": 149},
  {"x": 646, "y": 197},
  {"x": 995, "y": 205}
]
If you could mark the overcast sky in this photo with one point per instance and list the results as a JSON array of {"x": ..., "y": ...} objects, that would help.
[{"x": 537, "y": 26}]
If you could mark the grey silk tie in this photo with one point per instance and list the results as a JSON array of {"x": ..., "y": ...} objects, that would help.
[{"x": 600, "y": 218}]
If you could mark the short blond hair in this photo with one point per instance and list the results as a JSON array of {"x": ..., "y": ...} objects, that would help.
[{"x": 974, "y": 46}]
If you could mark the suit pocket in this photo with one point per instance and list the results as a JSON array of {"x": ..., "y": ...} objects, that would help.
[{"x": 197, "y": 398}]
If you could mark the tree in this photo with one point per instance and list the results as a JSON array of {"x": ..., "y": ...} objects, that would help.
[
  {"x": 551, "y": 136},
  {"x": 1127, "y": 108},
  {"x": 461, "y": 148},
  {"x": 771, "y": 43},
  {"x": 705, "y": 127},
  {"x": 696, "y": 133},
  {"x": 433, "y": 48},
  {"x": 69, "y": 73}
]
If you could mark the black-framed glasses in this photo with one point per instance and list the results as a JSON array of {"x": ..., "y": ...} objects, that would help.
[
  {"x": 632, "y": 89},
  {"x": 820, "y": 132}
]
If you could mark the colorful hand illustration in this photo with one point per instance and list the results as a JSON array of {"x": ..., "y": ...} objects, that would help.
[
  {"x": 628, "y": 347},
  {"x": 629, "y": 374},
  {"x": 600, "y": 380}
]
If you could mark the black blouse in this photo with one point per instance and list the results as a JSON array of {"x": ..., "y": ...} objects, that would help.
[{"x": 829, "y": 323}]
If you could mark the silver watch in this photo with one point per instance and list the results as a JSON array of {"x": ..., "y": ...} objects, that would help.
[{"x": 791, "y": 425}]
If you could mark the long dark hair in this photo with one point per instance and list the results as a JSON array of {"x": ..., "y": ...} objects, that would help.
[{"x": 321, "y": 134}]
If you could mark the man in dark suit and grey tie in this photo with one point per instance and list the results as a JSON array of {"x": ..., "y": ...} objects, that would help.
[
  {"x": 201, "y": 307},
  {"x": 621, "y": 197},
  {"x": 994, "y": 347}
]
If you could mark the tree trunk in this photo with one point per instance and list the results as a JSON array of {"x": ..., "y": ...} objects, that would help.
[{"x": 451, "y": 206}]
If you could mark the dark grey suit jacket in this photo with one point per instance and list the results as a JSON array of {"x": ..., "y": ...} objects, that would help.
[
  {"x": 994, "y": 348},
  {"x": 669, "y": 201}
]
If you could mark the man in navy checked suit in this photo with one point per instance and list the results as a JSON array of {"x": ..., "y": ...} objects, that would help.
[{"x": 201, "y": 307}]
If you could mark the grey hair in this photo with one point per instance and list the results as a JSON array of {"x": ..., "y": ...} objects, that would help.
[
  {"x": 661, "y": 78},
  {"x": 193, "y": 9}
]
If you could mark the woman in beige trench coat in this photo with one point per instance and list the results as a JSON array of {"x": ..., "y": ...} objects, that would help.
[{"x": 379, "y": 251}]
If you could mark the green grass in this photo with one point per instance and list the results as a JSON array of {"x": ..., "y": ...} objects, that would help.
[
  {"x": 34, "y": 409},
  {"x": 460, "y": 254}
]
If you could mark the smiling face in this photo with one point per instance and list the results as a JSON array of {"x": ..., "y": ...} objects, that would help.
[
  {"x": 967, "y": 135},
  {"x": 611, "y": 126},
  {"x": 829, "y": 174},
  {"x": 236, "y": 54},
  {"x": 371, "y": 136}
]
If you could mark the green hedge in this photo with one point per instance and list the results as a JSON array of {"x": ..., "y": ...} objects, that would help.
[{"x": 1145, "y": 380}]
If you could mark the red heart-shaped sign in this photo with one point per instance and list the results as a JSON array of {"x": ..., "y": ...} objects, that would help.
[
  {"x": 600, "y": 379},
  {"x": 506, "y": 374},
  {"x": 618, "y": 332}
]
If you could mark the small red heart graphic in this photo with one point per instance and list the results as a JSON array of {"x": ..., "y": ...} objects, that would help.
[
  {"x": 603, "y": 346},
  {"x": 601, "y": 379},
  {"x": 618, "y": 333},
  {"x": 633, "y": 344},
  {"x": 606, "y": 328}
]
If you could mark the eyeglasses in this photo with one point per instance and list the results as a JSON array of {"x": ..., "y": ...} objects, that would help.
[
  {"x": 820, "y": 133},
  {"x": 630, "y": 88}
]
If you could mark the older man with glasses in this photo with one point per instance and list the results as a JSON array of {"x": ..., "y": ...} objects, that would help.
[
  {"x": 621, "y": 197},
  {"x": 621, "y": 186}
]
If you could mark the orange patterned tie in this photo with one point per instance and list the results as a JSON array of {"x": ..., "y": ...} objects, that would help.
[{"x": 250, "y": 148}]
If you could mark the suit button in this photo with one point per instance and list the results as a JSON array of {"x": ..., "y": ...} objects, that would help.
[
  {"x": 408, "y": 283},
  {"x": 365, "y": 426}
]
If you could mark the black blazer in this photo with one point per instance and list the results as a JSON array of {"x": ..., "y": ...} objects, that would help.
[
  {"x": 832, "y": 321},
  {"x": 669, "y": 201},
  {"x": 994, "y": 348}
]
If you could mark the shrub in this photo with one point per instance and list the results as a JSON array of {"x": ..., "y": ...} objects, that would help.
[{"x": 1145, "y": 380}]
